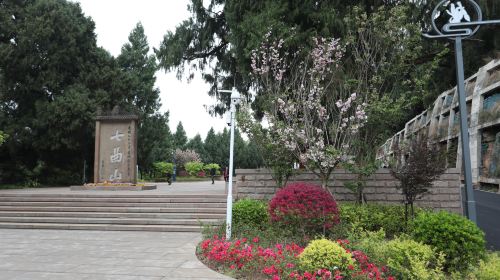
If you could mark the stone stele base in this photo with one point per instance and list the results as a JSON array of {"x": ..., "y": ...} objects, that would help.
[{"x": 97, "y": 187}]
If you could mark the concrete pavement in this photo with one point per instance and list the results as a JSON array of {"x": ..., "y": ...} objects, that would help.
[
  {"x": 29, "y": 254},
  {"x": 76, "y": 255}
]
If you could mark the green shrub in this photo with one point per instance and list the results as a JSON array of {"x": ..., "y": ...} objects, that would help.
[
  {"x": 405, "y": 258},
  {"x": 323, "y": 253},
  {"x": 193, "y": 167},
  {"x": 489, "y": 269},
  {"x": 162, "y": 168},
  {"x": 250, "y": 213},
  {"x": 373, "y": 217},
  {"x": 208, "y": 168},
  {"x": 458, "y": 238},
  {"x": 408, "y": 259},
  {"x": 372, "y": 243}
]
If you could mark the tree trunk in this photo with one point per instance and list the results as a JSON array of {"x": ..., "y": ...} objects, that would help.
[
  {"x": 406, "y": 214},
  {"x": 324, "y": 183},
  {"x": 412, "y": 211}
]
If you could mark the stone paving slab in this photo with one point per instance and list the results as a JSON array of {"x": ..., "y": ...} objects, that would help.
[{"x": 100, "y": 255}]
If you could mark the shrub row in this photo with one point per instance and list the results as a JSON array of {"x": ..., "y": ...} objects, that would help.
[{"x": 436, "y": 245}]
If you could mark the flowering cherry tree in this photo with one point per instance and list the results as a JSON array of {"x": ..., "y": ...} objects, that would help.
[{"x": 313, "y": 115}]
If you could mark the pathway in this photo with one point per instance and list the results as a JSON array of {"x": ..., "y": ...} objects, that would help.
[{"x": 75, "y": 255}]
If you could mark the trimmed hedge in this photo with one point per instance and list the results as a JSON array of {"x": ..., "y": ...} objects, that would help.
[
  {"x": 250, "y": 213},
  {"x": 458, "y": 238}
]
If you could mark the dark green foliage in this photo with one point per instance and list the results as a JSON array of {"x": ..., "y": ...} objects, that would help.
[
  {"x": 272, "y": 155},
  {"x": 386, "y": 59},
  {"x": 154, "y": 141},
  {"x": 53, "y": 79},
  {"x": 142, "y": 98},
  {"x": 180, "y": 139},
  {"x": 373, "y": 217},
  {"x": 49, "y": 90},
  {"x": 249, "y": 212},
  {"x": 3, "y": 137},
  {"x": 211, "y": 147},
  {"x": 196, "y": 144},
  {"x": 162, "y": 168},
  {"x": 458, "y": 238},
  {"x": 216, "y": 150}
]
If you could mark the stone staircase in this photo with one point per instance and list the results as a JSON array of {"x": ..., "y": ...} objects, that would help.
[{"x": 158, "y": 212}]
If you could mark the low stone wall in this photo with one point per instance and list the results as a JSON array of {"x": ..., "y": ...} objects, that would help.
[{"x": 380, "y": 187}]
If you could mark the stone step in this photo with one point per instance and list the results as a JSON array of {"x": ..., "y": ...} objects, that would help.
[
  {"x": 163, "y": 228},
  {"x": 114, "y": 215},
  {"x": 141, "y": 209},
  {"x": 109, "y": 221},
  {"x": 114, "y": 199},
  {"x": 115, "y": 204}
]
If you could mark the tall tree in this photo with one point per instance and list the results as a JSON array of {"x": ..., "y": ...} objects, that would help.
[
  {"x": 196, "y": 144},
  {"x": 219, "y": 37},
  {"x": 180, "y": 138},
  {"x": 139, "y": 68},
  {"x": 211, "y": 147},
  {"x": 142, "y": 97},
  {"x": 53, "y": 76}
]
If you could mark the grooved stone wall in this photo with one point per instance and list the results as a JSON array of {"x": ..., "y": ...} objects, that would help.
[{"x": 380, "y": 187}]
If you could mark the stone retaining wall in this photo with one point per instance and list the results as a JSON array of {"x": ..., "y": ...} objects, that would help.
[{"x": 380, "y": 187}]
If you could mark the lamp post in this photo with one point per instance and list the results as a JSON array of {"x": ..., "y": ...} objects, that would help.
[
  {"x": 235, "y": 100},
  {"x": 459, "y": 24}
]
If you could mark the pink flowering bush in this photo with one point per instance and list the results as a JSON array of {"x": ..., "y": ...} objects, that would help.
[
  {"x": 309, "y": 115},
  {"x": 247, "y": 259},
  {"x": 305, "y": 207}
]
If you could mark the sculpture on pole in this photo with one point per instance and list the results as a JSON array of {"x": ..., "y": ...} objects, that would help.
[{"x": 458, "y": 20}]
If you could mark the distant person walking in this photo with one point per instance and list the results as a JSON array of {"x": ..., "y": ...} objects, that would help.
[
  {"x": 169, "y": 178},
  {"x": 212, "y": 174},
  {"x": 226, "y": 174}
]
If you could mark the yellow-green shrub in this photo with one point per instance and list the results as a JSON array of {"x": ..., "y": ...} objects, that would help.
[
  {"x": 408, "y": 259},
  {"x": 193, "y": 167},
  {"x": 488, "y": 269},
  {"x": 323, "y": 253}
]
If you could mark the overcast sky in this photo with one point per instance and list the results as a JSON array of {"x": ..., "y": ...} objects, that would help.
[{"x": 114, "y": 19}]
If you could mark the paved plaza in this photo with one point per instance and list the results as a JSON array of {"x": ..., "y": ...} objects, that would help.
[
  {"x": 204, "y": 187},
  {"x": 30, "y": 254},
  {"x": 76, "y": 255}
]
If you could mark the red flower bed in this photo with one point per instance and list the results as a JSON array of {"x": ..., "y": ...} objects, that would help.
[
  {"x": 305, "y": 206},
  {"x": 252, "y": 261}
]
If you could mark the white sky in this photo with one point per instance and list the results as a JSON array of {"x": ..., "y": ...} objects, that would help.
[{"x": 114, "y": 19}]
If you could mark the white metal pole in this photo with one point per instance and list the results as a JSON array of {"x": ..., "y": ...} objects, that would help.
[{"x": 229, "y": 211}]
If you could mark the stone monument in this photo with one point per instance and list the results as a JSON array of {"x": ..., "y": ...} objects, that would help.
[{"x": 115, "y": 160}]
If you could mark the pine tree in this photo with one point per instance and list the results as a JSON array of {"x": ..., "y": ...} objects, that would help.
[
  {"x": 211, "y": 147},
  {"x": 180, "y": 138},
  {"x": 196, "y": 144},
  {"x": 142, "y": 98}
]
